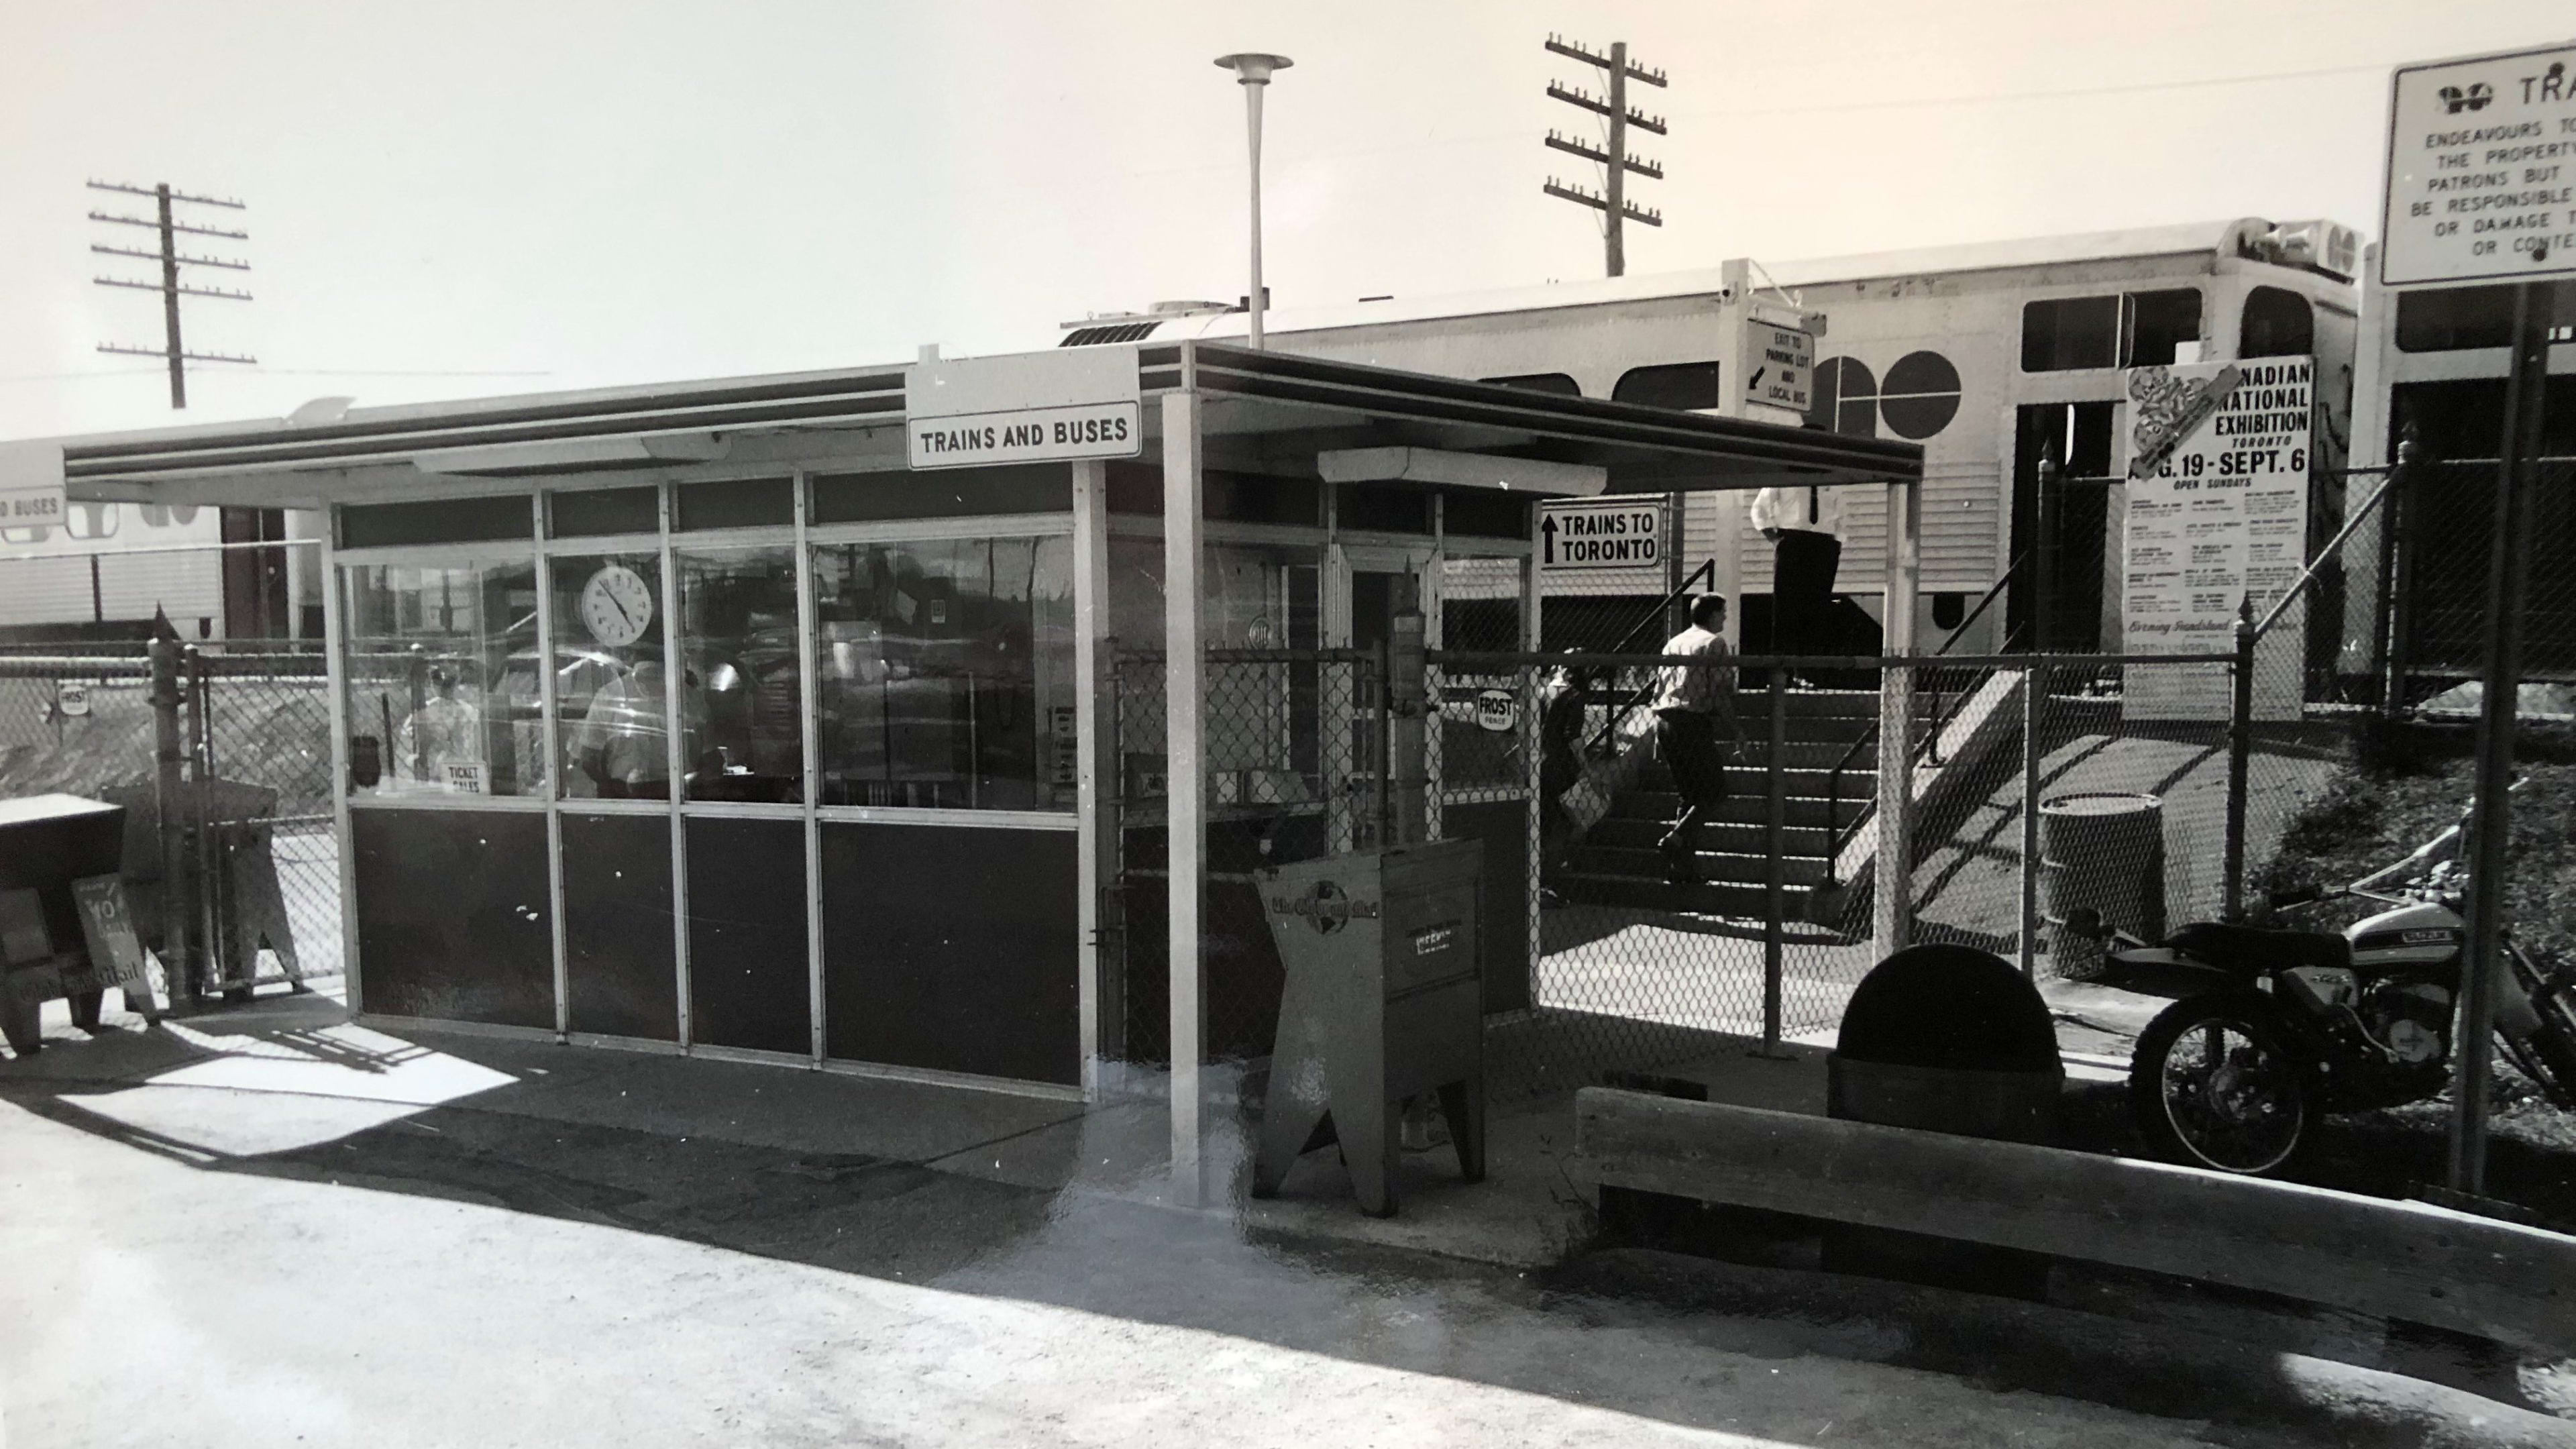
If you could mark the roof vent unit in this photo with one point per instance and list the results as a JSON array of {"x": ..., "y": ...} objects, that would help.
[
  {"x": 1108, "y": 332},
  {"x": 1190, "y": 307},
  {"x": 2311, "y": 246}
]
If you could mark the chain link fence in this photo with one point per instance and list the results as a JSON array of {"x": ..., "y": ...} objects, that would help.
[
  {"x": 260, "y": 877},
  {"x": 2146, "y": 787}
]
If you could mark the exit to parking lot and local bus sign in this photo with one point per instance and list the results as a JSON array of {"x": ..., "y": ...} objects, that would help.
[{"x": 2482, "y": 170}]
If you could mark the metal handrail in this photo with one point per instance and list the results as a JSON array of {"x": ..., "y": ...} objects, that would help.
[{"x": 1841, "y": 836}]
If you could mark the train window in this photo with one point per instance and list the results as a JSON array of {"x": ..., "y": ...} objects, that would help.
[
  {"x": 2277, "y": 323},
  {"x": 1555, "y": 382},
  {"x": 2137, "y": 329},
  {"x": 2059, "y": 334},
  {"x": 2156, "y": 323},
  {"x": 2454, "y": 319},
  {"x": 1921, "y": 396},
  {"x": 1845, "y": 399},
  {"x": 1670, "y": 385}
]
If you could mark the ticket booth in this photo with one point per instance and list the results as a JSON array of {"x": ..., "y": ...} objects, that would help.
[{"x": 777, "y": 718}]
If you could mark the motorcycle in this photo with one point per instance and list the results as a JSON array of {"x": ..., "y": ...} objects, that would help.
[{"x": 2272, "y": 1028}]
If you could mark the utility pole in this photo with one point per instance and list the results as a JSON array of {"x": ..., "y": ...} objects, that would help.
[
  {"x": 1612, "y": 200},
  {"x": 169, "y": 228}
]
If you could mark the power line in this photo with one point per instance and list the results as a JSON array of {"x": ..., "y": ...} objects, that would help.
[{"x": 173, "y": 351}]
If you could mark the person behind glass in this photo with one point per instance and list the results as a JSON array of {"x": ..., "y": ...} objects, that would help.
[
  {"x": 623, "y": 744},
  {"x": 441, "y": 742},
  {"x": 1697, "y": 699},
  {"x": 1805, "y": 529}
]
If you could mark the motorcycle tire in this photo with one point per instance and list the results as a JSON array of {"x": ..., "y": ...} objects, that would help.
[{"x": 2253, "y": 1112}]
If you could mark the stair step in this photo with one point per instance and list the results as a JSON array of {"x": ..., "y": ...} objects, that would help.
[
  {"x": 1794, "y": 755},
  {"x": 1712, "y": 898},
  {"x": 1746, "y": 807},
  {"x": 1720, "y": 866},
  {"x": 1744, "y": 837}
]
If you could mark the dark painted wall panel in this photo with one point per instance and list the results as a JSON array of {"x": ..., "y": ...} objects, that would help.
[
  {"x": 453, "y": 915},
  {"x": 747, "y": 977},
  {"x": 1503, "y": 826},
  {"x": 617, "y": 925},
  {"x": 952, "y": 948}
]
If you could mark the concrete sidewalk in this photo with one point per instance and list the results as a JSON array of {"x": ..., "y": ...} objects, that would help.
[{"x": 266, "y": 1224}]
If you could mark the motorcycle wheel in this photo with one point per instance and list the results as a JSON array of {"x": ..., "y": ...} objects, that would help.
[{"x": 2212, "y": 1085}]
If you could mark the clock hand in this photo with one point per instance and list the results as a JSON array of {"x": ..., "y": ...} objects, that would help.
[{"x": 615, "y": 603}]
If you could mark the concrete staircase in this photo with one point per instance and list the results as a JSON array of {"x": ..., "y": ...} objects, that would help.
[{"x": 1617, "y": 862}]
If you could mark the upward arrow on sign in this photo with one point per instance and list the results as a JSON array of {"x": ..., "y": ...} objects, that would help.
[{"x": 1547, "y": 540}]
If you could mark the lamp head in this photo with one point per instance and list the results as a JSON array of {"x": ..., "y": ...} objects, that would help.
[{"x": 1253, "y": 67}]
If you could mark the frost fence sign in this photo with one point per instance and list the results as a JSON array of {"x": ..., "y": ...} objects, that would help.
[{"x": 2223, "y": 517}]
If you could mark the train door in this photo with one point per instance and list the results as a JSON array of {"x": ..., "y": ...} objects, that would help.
[{"x": 2080, "y": 543}]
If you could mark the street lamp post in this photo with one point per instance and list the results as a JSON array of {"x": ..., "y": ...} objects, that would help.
[{"x": 1254, "y": 70}]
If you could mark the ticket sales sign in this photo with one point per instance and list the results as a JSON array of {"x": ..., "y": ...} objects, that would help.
[
  {"x": 2482, "y": 170},
  {"x": 1045, "y": 407}
]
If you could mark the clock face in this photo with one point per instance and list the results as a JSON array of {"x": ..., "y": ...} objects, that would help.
[{"x": 617, "y": 605}]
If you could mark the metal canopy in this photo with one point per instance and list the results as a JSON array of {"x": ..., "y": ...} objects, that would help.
[
  {"x": 1269, "y": 410},
  {"x": 1293, "y": 404}
]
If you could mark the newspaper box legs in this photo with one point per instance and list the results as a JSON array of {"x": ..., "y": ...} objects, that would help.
[{"x": 1384, "y": 1001}]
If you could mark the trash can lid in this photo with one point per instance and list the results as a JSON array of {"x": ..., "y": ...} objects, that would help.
[
  {"x": 2107, "y": 802},
  {"x": 1952, "y": 1007}
]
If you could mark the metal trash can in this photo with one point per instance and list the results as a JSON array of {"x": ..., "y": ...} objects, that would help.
[
  {"x": 1945, "y": 1038},
  {"x": 1384, "y": 1000},
  {"x": 2106, "y": 851}
]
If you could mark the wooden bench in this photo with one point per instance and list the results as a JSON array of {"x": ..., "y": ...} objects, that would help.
[{"x": 2399, "y": 1260}]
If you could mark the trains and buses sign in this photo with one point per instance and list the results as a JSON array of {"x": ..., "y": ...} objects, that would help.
[
  {"x": 2482, "y": 170},
  {"x": 2217, "y": 514}
]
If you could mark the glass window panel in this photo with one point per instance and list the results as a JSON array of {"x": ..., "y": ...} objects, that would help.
[
  {"x": 1382, "y": 508},
  {"x": 2159, "y": 322},
  {"x": 1687, "y": 385},
  {"x": 435, "y": 704},
  {"x": 2277, "y": 323},
  {"x": 735, "y": 503},
  {"x": 589, "y": 512},
  {"x": 944, "y": 493},
  {"x": 944, "y": 673},
  {"x": 743, "y": 737},
  {"x": 439, "y": 520},
  {"x": 611, "y": 717},
  {"x": 2064, "y": 333}
]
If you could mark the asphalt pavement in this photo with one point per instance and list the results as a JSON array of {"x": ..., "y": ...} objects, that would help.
[{"x": 267, "y": 1226}]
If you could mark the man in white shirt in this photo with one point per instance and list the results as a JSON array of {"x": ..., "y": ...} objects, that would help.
[
  {"x": 1805, "y": 529},
  {"x": 1694, "y": 701}
]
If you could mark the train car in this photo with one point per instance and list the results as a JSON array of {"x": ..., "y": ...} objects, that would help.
[
  {"x": 1982, "y": 353},
  {"x": 2433, "y": 361}
]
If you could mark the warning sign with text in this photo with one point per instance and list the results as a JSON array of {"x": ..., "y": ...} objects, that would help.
[
  {"x": 2482, "y": 170},
  {"x": 2221, "y": 519},
  {"x": 1601, "y": 534}
]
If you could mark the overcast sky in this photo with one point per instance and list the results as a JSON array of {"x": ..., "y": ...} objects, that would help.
[{"x": 465, "y": 198}]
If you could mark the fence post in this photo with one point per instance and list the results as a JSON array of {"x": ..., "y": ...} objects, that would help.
[
  {"x": 2240, "y": 750},
  {"x": 1773, "y": 886},
  {"x": 209, "y": 861},
  {"x": 2034, "y": 692},
  {"x": 166, "y": 799},
  {"x": 2394, "y": 573}
]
